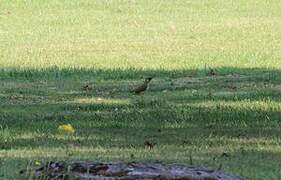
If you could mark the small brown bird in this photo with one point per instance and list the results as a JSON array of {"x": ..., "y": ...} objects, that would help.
[{"x": 143, "y": 87}]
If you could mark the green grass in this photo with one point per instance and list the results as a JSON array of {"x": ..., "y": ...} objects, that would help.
[{"x": 50, "y": 49}]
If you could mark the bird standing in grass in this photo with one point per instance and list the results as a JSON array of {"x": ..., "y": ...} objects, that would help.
[{"x": 143, "y": 87}]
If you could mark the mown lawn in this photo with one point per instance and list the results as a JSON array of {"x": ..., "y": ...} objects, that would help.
[{"x": 215, "y": 97}]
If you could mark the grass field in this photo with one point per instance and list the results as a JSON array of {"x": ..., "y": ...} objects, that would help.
[{"x": 230, "y": 118}]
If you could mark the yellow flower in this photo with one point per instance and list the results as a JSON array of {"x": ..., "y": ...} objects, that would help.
[
  {"x": 66, "y": 128},
  {"x": 37, "y": 163}
]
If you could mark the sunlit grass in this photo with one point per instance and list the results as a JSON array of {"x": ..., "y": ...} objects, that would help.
[
  {"x": 142, "y": 35},
  {"x": 261, "y": 105},
  {"x": 102, "y": 101}
]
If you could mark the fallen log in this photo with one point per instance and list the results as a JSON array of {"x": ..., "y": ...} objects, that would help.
[{"x": 131, "y": 170}]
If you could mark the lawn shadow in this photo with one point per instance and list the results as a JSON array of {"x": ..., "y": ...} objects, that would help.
[{"x": 180, "y": 108}]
